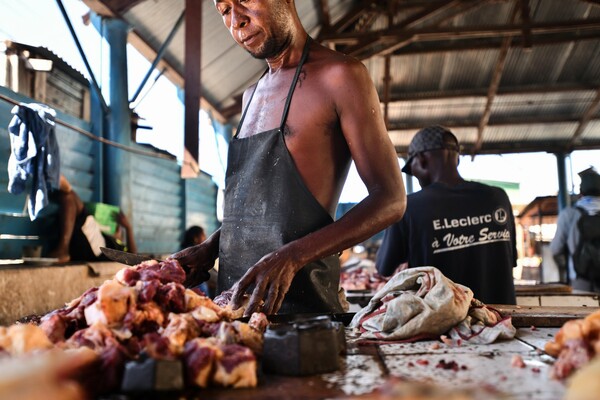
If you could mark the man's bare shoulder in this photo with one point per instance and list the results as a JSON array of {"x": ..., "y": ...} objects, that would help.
[{"x": 335, "y": 65}]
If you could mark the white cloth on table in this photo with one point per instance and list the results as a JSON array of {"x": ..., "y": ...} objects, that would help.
[{"x": 420, "y": 303}]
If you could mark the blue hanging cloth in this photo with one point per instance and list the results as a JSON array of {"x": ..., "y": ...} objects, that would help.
[{"x": 34, "y": 154}]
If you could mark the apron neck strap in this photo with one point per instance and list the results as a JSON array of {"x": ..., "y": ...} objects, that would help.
[
  {"x": 288, "y": 101},
  {"x": 248, "y": 104},
  {"x": 290, "y": 93}
]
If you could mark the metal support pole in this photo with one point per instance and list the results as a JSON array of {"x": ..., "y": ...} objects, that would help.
[
  {"x": 159, "y": 56},
  {"x": 116, "y": 161},
  {"x": 82, "y": 53},
  {"x": 564, "y": 200}
]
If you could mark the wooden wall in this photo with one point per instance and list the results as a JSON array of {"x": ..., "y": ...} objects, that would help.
[{"x": 162, "y": 204}]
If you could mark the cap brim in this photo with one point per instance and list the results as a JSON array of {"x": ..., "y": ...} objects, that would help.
[{"x": 406, "y": 169}]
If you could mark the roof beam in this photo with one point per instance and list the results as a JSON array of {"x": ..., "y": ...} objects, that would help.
[
  {"x": 364, "y": 6},
  {"x": 500, "y": 121},
  {"x": 482, "y": 92},
  {"x": 444, "y": 46},
  {"x": 492, "y": 90},
  {"x": 481, "y": 31},
  {"x": 516, "y": 147},
  {"x": 414, "y": 19},
  {"x": 322, "y": 7},
  {"x": 587, "y": 116},
  {"x": 457, "y": 7},
  {"x": 494, "y": 84},
  {"x": 150, "y": 54},
  {"x": 525, "y": 18}
]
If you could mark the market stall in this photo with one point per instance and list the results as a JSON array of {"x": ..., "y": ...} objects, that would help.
[{"x": 141, "y": 334}]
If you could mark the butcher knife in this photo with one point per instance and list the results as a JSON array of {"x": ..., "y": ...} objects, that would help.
[{"x": 124, "y": 257}]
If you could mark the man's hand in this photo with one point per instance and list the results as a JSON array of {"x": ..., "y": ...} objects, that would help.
[
  {"x": 122, "y": 220},
  {"x": 272, "y": 277},
  {"x": 196, "y": 261}
]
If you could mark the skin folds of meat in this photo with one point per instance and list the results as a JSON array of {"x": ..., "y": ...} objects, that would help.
[{"x": 575, "y": 344}]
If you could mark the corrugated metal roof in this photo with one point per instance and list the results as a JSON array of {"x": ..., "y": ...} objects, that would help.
[{"x": 440, "y": 76}]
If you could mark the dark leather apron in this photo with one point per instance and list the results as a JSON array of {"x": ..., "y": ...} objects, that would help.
[{"x": 268, "y": 205}]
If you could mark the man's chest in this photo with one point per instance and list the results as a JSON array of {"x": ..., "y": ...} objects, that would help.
[{"x": 298, "y": 112}]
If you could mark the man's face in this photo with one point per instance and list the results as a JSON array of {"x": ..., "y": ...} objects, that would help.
[{"x": 261, "y": 27}]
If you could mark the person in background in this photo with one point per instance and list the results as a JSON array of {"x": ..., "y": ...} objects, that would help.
[
  {"x": 567, "y": 236},
  {"x": 465, "y": 229},
  {"x": 193, "y": 235},
  {"x": 80, "y": 235},
  {"x": 311, "y": 113}
]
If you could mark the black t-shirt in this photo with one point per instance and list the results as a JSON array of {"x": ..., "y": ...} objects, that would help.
[{"x": 467, "y": 231}]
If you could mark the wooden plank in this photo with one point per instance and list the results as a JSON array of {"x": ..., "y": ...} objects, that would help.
[
  {"x": 543, "y": 288},
  {"x": 543, "y": 316}
]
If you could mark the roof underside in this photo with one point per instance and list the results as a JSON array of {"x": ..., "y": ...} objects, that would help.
[{"x": 505, "y": 75}]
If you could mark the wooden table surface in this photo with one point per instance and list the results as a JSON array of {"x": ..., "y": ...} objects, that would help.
[{"x": 367, "y": 367}]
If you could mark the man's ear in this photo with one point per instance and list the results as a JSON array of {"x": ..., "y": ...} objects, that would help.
[{"x": 422, "y": 159}]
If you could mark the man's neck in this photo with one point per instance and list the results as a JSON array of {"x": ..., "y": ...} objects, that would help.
[{"x": 290, "y": 56}]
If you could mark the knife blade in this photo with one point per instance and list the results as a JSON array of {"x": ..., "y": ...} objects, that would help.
[
  {"x": 345, "y": 318},
  {"x": 124, "y": 257}
]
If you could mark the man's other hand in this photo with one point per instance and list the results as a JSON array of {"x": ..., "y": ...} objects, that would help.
[{"x": 272, "y": 277}]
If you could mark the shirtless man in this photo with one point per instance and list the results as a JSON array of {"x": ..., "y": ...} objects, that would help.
[{"x": 312, "y": 112}]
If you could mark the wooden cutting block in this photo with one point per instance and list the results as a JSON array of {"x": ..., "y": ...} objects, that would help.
[{"x": 526, "y": 316}]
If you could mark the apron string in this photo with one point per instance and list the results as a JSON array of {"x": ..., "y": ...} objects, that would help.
[{"x": 288, "y": 101}]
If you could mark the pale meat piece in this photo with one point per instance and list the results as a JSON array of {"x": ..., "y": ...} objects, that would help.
[
  {"x": 574, "y": 345},
  {"x": 202, "y": 308},
  {"x": 224, "y": 299},
  {"x": 23, "y": 338},
  {"x": 249, "y": 336},
  {"x": 114, "y": 301},
  {"x": 180, "y": 329},
  {"x": 46, "y": 390},
  {"x": 236, "y": 367},
  {"x": 585, "y": 383},
  {"x": 45, "y": 375},
  {"x": 194, "y": 300},
  {"x": 259, "y": 322}
]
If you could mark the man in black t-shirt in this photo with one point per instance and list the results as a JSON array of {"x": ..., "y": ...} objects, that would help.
[{"x": 465, "y": 229}]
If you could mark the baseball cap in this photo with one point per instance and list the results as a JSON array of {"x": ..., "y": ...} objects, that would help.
[
  {"x": 434, "y": 137},
  {"x": 590, "y": 182}
]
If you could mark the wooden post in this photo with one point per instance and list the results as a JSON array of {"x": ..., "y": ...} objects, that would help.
[{"x": 193, "y": 46}]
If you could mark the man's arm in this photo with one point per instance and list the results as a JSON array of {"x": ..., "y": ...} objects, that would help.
[
  {"x": 129, "y": 238},
  {"x": 558, "y": 245},
  {"x": 358, "y": 108}
]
